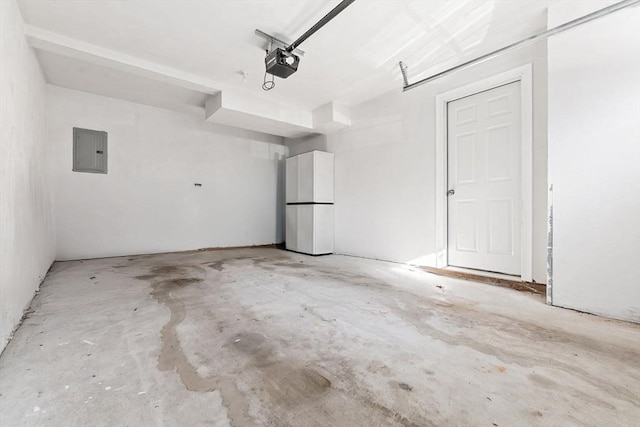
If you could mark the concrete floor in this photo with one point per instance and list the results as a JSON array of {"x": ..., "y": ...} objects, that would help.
[{"x": 271, "y": 338}]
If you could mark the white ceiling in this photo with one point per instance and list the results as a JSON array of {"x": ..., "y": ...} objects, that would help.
[{"x": 350, "y": 60}]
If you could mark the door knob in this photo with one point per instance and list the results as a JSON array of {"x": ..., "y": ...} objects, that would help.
[{"x": 451, "y": 192}]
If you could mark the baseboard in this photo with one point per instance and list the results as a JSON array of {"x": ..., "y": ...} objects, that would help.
[
  {"x": 27, "y": 310},
  {"x": 187, "y": 251}
]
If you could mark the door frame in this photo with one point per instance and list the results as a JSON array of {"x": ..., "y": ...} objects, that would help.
[{"x": 522, "y": 74}]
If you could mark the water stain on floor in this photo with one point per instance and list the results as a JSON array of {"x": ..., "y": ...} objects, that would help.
[
  {"x": 172, "y": 356},
  {"x": 217, "y": 265},
  {"x": 284, "y": 384}
]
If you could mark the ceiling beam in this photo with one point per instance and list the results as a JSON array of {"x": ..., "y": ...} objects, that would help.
[
  {"x": 256, "y": 114},
  {"x": 73, "y": 48},
  {"x": 234, "y": 108}
]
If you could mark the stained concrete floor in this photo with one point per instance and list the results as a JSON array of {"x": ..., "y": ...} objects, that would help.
[{"x": 271, "y": 338}]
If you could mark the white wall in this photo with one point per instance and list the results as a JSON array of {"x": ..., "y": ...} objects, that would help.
[
  {"x": 594, "y": 163},
  {"x": 26, "y": 222},
  {"x": 148, "y": 203},
  {"x": 385, "y": 167}
]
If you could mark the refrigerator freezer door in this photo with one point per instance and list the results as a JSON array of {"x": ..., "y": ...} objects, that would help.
[
  {"x": 291, "y": 234},
  {"x": 306, "y": 177},
  {"x": 305, "y": 231},
  {"x": 310, "y": 229},
  {"x": 291, "y": 179},
  {"x": 309, "y": 178},
  {"x": 323, "y": 229},
  {"x": 322, "y": 177}
]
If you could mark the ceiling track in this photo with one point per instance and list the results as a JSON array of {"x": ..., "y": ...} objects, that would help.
[
  {"x": 553, "y": 31},
  {"x": 321, "y": 23},
  {"x": 293, "y": 47}
]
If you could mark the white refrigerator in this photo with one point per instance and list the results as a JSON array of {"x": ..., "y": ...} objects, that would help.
[{"x": 309, "y": 197}]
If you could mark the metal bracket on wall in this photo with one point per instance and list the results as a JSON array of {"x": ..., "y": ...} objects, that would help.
[
  {"x": 273, "y": 40},
  {"x": 553, "y": 31},
  {"x": 404, "y": 70}
]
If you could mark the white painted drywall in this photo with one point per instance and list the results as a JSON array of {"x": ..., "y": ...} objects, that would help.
[
  {"x": 148, "y": 203},
  {"x": 385, "y": 167},
  {"x": 26, "y": 221},
  {"x": 594, "y": 163}
]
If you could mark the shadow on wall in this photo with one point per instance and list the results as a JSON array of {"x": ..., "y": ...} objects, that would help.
[
  {"x": 234, "y": 132},
  {"x": 307, "y": 143}
]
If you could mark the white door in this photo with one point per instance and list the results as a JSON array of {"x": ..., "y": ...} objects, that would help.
[{"x": 484, "y": 202}]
